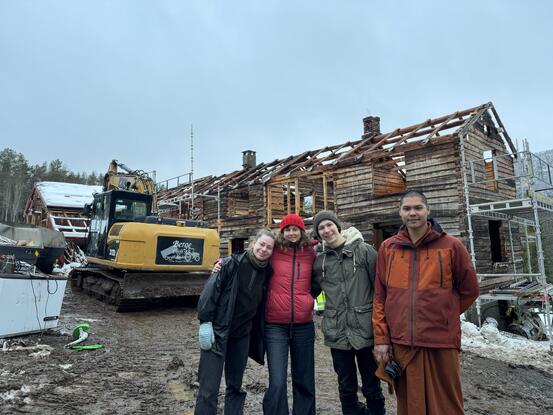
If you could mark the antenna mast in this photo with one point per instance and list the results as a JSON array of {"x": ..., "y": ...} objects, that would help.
[{"x": 192, "y": 170}]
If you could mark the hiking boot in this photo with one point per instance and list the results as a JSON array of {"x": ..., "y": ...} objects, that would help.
[{"x": 376, "y": 407}]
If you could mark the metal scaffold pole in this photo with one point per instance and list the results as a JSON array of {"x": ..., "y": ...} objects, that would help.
[
  {"x": 192, "y": 171},
  {"x": 469, "y": 217},
  {"x": 511, "y": 245},
  {"x": 539, "y": 247}
]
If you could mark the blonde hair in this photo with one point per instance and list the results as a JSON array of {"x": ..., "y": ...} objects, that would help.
[{"x": 264, "y": 232}]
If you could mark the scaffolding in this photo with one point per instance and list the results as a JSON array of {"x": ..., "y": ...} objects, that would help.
[{"x": 531, "y": 178}]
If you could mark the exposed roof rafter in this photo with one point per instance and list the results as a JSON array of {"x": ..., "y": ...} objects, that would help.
[{"x": 431, "y": 131}]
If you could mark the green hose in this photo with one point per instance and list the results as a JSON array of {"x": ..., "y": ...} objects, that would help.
[{"x": 80, "y": 334}]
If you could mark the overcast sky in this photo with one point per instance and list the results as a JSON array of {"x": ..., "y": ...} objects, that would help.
[{"x": 88, "y": 81}]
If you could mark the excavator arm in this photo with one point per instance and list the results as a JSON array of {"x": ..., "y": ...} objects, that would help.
[{"x": 130, "y": 180}]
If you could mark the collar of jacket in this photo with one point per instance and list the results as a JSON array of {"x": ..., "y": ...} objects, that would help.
[
  {"x": 352, "y": 237},
  {"x": 433, "y": 232},
  {"x": 237, "y": 258}
]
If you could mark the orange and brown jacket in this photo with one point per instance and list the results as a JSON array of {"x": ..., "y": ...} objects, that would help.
[{"x": 420, "y": 290}]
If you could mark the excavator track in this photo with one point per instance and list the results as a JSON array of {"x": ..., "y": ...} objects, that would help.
[{"x": 133, "y": 291}]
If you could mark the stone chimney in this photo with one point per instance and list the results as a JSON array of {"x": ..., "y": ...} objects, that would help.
[
  {"x": 248, "y": 159},
  {"x": 371, "y": 125}
]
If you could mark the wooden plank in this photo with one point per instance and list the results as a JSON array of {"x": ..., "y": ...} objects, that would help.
[
  {"x": 325, "y": 193},
  {"x": 288, "y": 190},
  {"x": 297, "y": 196}
]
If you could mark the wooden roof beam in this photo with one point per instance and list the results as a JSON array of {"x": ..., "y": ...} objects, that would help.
[
  {"x": 434, "y": 121},
  {"x": 355, "y": 148},
  {"x": 402, "y": 149},
  {"x": 413, "y": 133},
  {"x": 287, "y": 165},
  {"x": 317, "y": 162},
  {"x": 424, "y": 132},
  {"x": 503, "y": 130},
  {"x": 439, "y": 127},
  {"x": 313, "y": 158},
  {"x": 474, "y": 117}
]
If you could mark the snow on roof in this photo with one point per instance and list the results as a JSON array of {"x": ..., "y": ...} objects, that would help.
[{"x": 69, "y": 195}]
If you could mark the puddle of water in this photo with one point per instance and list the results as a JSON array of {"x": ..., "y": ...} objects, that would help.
[
  {"x": 180, "y": 392},
  {"x": 127, "y": 375}
]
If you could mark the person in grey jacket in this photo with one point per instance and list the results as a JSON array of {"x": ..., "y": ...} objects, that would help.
[
  {"x": 230, "y": 304},
  {"x": 345, "y": 271}
]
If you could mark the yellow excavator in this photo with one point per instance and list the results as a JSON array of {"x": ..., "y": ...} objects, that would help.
[{"x": 136, "y": 258}]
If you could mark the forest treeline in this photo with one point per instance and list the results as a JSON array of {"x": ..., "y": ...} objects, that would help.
[{"x": 17, "y": 177}]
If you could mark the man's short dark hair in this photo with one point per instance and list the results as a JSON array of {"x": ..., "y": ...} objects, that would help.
[{"x": 414, "y": 193}]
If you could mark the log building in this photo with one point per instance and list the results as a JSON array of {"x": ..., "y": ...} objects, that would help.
[{"x": 363, "y": 180}]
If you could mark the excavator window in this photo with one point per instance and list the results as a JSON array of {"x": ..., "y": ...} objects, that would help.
[{"x": 130, "y": 209}]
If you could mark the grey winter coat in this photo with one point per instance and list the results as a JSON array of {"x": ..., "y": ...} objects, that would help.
[{"x": 348, "y": 282}]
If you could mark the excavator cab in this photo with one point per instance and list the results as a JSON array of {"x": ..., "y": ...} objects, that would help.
[{"x": 109, "y": 208}]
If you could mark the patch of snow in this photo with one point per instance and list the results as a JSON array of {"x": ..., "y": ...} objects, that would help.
[
  {"x": 65, "y": 332},
  {"x": 79, "y": 318},
  {"x": 66, "y": 269},
  {"x": 9, "y": 395},
  {"x": 41, "y": 353},
  {"x": 4, "y": 373},
  {"x": 70, "y": 195},
  {"x": 13, "y": 394},
  {"x": 67, "y": 366},
  {"x": 35, "y": 348},
  {"x": 489, "y": 342}
]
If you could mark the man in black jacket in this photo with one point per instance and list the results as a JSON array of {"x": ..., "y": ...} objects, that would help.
[{"x": 228, "y": 304}]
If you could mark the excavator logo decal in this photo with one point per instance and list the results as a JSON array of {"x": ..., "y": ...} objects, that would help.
[{"x": 187, "y": 251}]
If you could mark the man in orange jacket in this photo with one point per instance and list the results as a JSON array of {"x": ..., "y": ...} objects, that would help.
[{"x": 424, "y": 280}]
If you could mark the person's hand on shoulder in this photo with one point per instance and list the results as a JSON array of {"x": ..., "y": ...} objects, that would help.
[{"x": 217, "y": 265}]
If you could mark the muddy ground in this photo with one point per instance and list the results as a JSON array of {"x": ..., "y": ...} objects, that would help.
[{"x": 149, "y": 363}]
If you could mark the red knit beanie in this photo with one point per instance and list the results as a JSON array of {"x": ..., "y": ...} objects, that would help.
[{"x": 292, "y": 219}]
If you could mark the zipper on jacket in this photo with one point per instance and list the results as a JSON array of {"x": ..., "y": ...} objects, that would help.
[
  {"x": 292, "y": 286},
  {"x": 252, "y": 279},
  {"x": 441, "y": 270},
  {"x": 344, "y": 281},
  {"x": 413, "y": 283},
  {"x": 390, "y": 267}
]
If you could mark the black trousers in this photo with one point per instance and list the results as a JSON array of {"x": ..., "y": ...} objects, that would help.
[
  {"x": 345, "y": 366},
  {"x": 209, "y": 376}
]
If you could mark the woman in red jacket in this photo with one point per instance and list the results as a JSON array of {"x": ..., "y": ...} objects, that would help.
[{"x": 289, "y": 325}]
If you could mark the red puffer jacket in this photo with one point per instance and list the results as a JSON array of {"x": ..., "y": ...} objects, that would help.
[{"x": 289, "y": 293}]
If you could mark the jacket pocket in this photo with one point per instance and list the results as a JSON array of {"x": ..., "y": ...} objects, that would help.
[
  {"x": 363, "y": 317},
  {"x": 329, "y": 324},
  {"x": 398, "y": 269},
  {"x": 435, "y": 270}
]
